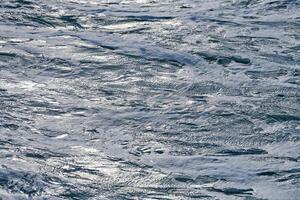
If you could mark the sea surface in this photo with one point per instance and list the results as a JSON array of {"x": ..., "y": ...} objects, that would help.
[{"x": 149, "y": 99}]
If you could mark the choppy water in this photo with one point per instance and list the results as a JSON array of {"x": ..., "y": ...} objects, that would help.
[{"x": 148, "y": 99}]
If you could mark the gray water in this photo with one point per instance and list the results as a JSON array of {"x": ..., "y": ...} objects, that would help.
[{"x": 149, "y": 99}]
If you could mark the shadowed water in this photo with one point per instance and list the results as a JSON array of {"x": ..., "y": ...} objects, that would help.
[{"x": 148, "y": 99}]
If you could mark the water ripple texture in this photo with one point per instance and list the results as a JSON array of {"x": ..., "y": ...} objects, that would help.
[{"x": 148, "y": 99}]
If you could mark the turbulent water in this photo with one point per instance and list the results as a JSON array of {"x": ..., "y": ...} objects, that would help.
[{"x": 149, "y": 99}]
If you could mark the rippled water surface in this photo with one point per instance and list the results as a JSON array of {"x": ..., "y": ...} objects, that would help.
[{"x": 149, "y": 99}]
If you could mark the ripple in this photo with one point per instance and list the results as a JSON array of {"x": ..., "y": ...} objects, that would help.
[{"x": 145, "y": 99}]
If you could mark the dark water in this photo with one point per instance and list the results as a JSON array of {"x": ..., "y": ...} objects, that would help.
[{"x": 148, "y": 99}]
